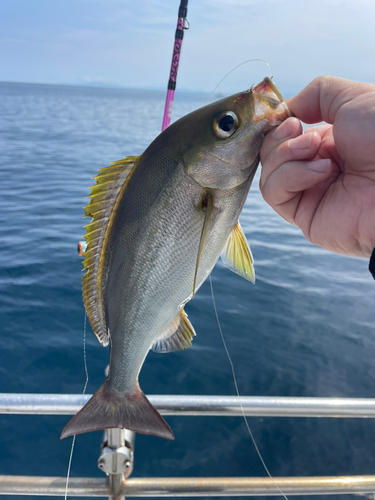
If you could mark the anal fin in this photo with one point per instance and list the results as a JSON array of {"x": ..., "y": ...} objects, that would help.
[
  {"x": 237, "y": 255},
  {"x": 177, "y": 336}
]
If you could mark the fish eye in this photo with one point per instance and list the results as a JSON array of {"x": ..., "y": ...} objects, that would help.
[{"x": 225, "y": 124}]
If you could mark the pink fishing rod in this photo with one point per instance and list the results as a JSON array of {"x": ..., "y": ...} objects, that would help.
[{"x": 182, "y": 24}]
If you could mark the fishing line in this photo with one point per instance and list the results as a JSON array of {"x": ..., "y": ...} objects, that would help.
[
  {"x": 84, "y": 356},
  {"x": 239, "y": 397},
  {"x": 83, "y": 393},
  {"x": 236, "y": 67},
  {"x": 218, "y": 321}
]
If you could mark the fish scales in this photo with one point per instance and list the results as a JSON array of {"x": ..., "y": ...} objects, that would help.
[
  {"x": 151, "y": 293},
  {"x": 169, "y": 223}
]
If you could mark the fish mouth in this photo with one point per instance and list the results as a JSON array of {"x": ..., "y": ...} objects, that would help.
[
  {"x": 268, "y": 90},
  {"x": 269, "y": 105}
]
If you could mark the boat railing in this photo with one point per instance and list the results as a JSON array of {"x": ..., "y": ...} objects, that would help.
[{"x": 116, "y": 458}]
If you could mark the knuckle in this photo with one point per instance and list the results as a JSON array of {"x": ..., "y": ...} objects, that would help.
[
  {"x": 266, "y": 193},
  {"x": 323, "y": 80}
]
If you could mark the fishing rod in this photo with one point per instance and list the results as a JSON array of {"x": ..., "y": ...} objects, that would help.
[{"x": 182, "y": 24}]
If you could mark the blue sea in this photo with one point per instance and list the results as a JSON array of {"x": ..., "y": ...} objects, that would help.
[{"x": 305, "y": 329}]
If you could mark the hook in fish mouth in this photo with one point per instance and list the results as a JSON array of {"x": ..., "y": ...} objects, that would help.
[
  {"x": 265, "y": 90},
  {"x": 269, "y": 104},
  {"x": 268, "y": 91}
]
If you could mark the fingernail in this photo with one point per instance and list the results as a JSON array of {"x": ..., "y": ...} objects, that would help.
[
  {"x": 300, "y": 143},
  {"x": 282, "y": 131},
  {"x": 319, "y": 166}
]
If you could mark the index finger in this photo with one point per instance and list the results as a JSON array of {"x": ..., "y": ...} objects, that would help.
[{"x": 289, "y": 129}]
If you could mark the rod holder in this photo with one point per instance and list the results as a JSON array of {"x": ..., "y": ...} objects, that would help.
[{"x": 117, "y": 458}]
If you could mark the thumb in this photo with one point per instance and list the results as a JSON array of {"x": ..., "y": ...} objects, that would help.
[{"x": 323, "y": 97}]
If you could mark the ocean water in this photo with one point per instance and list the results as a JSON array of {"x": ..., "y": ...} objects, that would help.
[{"x": 305, "y": 329}]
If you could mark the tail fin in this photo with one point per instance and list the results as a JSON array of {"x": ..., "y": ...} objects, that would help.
[{"x": 108, "y": 409}]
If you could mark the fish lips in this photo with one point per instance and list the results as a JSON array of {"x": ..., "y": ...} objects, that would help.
[{"x": 269, "y": 105}]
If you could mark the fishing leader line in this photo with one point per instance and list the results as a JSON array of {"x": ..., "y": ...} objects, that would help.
[
  {"x": 83, "y": 393},
  {"x": 236, "y": 67},
  {"x": 218, "y": 321},
  {"x": 239, "y": 396}
]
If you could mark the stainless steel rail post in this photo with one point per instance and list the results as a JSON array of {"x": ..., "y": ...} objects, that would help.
[{"x": 117, "y": 458}]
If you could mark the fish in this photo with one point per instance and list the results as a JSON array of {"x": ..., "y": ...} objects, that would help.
[{"x": 160, "y": 221}]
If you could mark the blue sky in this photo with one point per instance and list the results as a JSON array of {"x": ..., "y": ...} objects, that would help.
[{"x": 129, "y": 43}]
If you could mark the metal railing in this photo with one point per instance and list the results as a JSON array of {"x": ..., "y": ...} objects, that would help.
[
  {"x": 187, "y": 487},
  {"x": 210, "y": 406},
  {"x": 118, "y": 449}
]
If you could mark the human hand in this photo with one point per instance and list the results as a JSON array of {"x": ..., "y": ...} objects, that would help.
[{"x": 323, "y": 180}]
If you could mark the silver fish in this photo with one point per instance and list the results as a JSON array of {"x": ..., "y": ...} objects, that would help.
[{"x": 160, "y": 222}]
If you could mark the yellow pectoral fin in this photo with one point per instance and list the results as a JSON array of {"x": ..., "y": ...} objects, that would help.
[{"x": 237, "y": 254}]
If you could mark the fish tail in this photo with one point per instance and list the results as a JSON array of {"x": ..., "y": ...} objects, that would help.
[{"x": 109, "y": 409}]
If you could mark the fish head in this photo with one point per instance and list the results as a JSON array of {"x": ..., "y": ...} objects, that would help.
[{"x": 226, "y": 136}]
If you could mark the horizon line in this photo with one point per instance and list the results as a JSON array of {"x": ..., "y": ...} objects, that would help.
[{"x": 105, "y": 86}]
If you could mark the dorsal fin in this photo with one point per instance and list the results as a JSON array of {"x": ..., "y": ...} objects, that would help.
[
  {"x": 109, "y": 182},
  {"x": 177, "y": 336}
]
